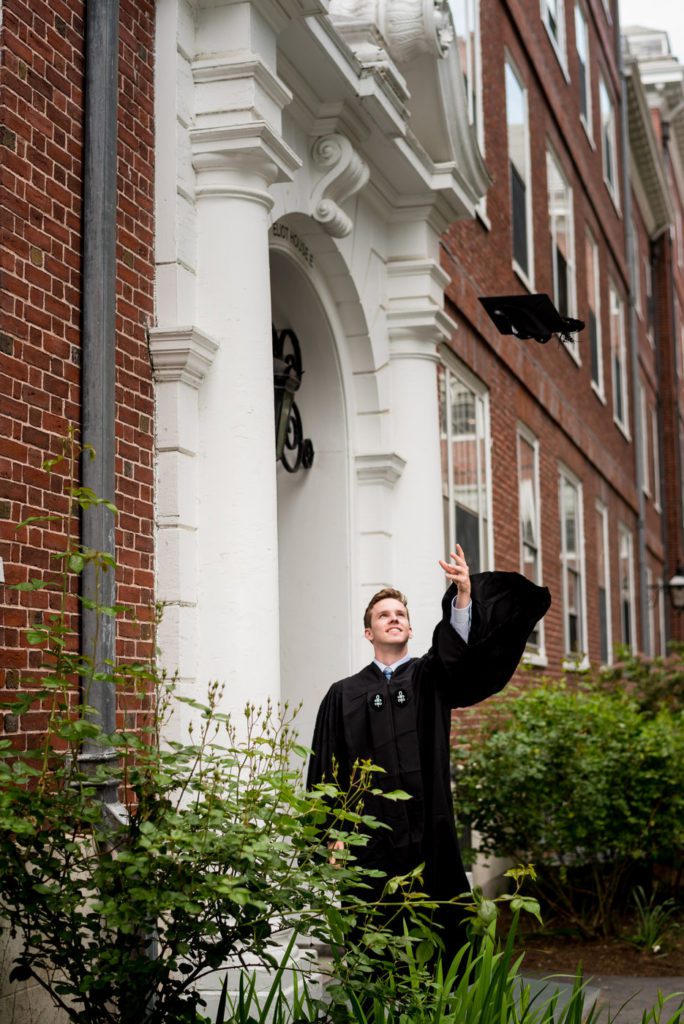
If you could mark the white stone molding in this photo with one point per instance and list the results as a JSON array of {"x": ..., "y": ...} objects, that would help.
[
  {"x": 344, "y": 174},
  {"x": 416, "y": 321},
  {"x": 240, "y": 161},
  {"x": 398, "y": 29},
  {"x": 379, "y": 468},
  {"x": 182, "y": 354}
]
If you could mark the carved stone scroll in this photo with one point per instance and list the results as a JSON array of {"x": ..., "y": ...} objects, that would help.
[{"x": 344, "y": 173}]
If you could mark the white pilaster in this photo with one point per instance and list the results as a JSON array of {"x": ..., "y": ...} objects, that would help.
[
  {"x": 417, "y": 325},
  {"x": 180, "y": 359}
]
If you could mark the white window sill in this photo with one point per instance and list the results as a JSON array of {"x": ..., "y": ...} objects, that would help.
[
  {"x": 573, "y": 351},
  {"x": 481, "y": 215},
  {"x": 599, "y": 392},
  {"x": 623, "y": 428},
  {"x": 535, "y": 659},
  {"x": 612, "y": 192},
  {"x": 576, "y": 664},
  {"x": 588, "y": 132},
  {"x": 524, "y": 279},
  {"x": 557, "y": 49}
]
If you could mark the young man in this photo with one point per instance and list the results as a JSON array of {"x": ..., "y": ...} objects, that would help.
[{"x": 396, "y": 712}]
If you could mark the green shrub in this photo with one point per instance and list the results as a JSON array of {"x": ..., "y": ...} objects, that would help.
[
  {"x": 656, "y": 684},
  {"x": 583, "y": 785}
]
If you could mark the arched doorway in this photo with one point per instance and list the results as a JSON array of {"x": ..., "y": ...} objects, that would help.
[{"x": 313, "y": 505}]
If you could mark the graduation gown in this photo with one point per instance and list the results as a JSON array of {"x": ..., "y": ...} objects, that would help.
[{"x": 404, "y": 727}]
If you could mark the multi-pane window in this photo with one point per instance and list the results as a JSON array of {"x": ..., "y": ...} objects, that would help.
[
  {"x": 572, "y": 558},
  {"x": 591, "y": 256},
  {"x": 650, "y": 307},
  {"x": 561, "y": 226},
  {"x": 530, "y": 520},
  {"x": 553, "y": 15},
  {"x": 519, "y": 169},
  {"x": 655, "y": 457},
  {"x": 608, "y": 139},
  {"x": 466, "y": 491},
  {"x": 626, "y": 579},
  {"x": 645, "y": 451},
  {"x": 603, "y": 581},
  {"x": 618, "y": 359},
  {"x": 584, "y": 74},
  {"x": 636, "y": 283},
  {"x": 466, "y": 15}
]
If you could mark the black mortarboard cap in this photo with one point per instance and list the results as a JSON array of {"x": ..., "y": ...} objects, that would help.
[{"x": 529, "y": 316}]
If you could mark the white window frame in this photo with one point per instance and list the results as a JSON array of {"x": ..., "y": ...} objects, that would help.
[
  {"x": 454, "y": 367},
  {"x": 582, "y": 30},
  {"x": 649, "y": 312},
  {"x": 558, "y": 38},
  {"x": 602, "y": 512},
  {"x": 615, "y": 300},
  {"x": 580, "y": 662},
  {"x": 469, "y": 38},
  {"x": 662, "y": 642},
  {"x": 636, "y": 283},
  {"x": 655, "y": 458},
  {"x": 609, "y": 128},
  {"x": 649, "y": 649},
  {"x": 553, "y": 163},
  {"x": 526, "y": 276},
  {"x": 645, "y": 452},
  {"x": 532, "y": 656},
  {"x": 624, "y": 533},
  {"x": 598, "y": 386}
]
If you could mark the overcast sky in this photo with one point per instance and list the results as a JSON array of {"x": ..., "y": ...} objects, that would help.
[{"x": 667, "y": 14}]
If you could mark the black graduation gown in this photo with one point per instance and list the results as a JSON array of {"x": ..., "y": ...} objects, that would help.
[{"x": 404, "y": 727}]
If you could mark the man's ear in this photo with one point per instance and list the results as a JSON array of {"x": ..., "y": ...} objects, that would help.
[{"x": 368, "y": 633}]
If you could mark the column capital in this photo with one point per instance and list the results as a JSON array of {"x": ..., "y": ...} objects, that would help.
[
  {"x": 416, "y": 321},
  {"x": 240, "y": 160},
  {"x": 182, "y": 354}
]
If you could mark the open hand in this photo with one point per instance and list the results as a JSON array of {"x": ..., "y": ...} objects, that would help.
[{"x": 457, "y": 572}]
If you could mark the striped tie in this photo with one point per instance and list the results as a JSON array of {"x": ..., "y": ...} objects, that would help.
[{"x": 387, "y": 673}]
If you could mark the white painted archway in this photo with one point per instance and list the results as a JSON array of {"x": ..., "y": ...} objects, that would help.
[{"x": 315, "y": 506}]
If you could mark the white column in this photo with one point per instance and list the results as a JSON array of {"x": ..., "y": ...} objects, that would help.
[
  {"x": 417, "y": 325},
  {"x": 237, "y": 154}
]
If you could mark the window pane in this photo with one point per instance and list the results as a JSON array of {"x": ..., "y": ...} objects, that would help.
[
  {"x": 464, "y": 467},
  {"x": 519, "y": 202},
  {"x": 561, "y": 228}
]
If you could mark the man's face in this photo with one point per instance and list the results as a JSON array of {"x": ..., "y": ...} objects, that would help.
[{"x": 389, "y": 624}]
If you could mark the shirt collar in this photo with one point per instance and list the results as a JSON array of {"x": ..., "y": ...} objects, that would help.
[{"x": 395, "y": 664}]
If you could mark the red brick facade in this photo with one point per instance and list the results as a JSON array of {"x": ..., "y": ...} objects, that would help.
[
  {"x": 41, "y": 125},
  {"x": 543, "y": 387}
]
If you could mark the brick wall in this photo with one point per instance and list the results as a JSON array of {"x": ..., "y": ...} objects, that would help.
[
  {"x": 543, "y": 386},
  {"x": 41, "y": 135}
]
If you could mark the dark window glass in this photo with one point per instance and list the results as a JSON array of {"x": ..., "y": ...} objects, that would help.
[
  {"x": 562, "y": 283},
  {"x": 584, "y": 106},
  {"x": 603, "y": 625},
  {"x": 593, "y": 342},
  {"x": 519, "y": 204},
  {"x": 619, "y": 410},
  {"x": 467, "y": 528}
]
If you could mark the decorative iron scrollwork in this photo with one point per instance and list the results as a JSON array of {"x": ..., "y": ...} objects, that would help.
[{"x": 293, "y": 450}]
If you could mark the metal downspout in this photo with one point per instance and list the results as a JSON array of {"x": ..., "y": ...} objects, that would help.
[
  {"x": 98, "y": 632},
  {"x": 634, "y": 359}
]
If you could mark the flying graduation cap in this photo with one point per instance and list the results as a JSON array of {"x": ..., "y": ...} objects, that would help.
[{"x": 530, "y": 317}]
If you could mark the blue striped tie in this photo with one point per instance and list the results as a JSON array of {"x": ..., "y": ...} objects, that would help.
[{"x": 387, "y": 673}]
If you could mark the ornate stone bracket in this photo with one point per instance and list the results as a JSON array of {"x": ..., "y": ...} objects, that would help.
[
  {"x": 181, "y": 354},
  {"x": 407, "y": 27},
  {"x": 344, "y": 173}
]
